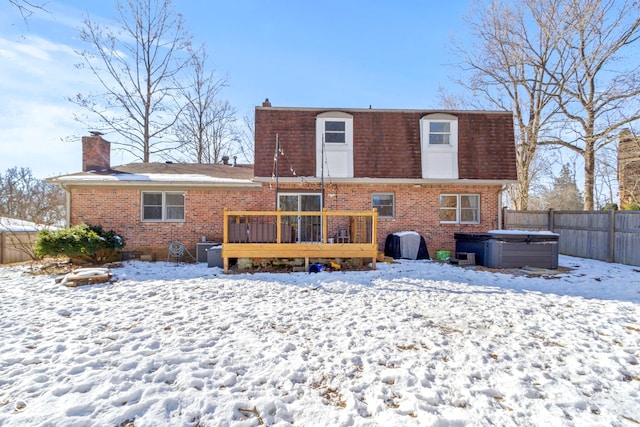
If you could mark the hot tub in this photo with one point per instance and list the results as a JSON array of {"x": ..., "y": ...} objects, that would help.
[{"x": 511, "y": 248}]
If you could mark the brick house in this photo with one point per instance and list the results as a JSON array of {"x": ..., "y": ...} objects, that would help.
[{"x": 431, "y": 171}]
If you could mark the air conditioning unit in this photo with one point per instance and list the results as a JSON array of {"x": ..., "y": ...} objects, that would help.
[{"x": 201, "y": 250}]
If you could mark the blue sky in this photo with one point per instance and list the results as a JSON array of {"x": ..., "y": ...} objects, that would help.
[{"x": 296, "y": 53}]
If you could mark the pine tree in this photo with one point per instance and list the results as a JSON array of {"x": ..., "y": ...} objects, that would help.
[{"x": 564, "y": 194}]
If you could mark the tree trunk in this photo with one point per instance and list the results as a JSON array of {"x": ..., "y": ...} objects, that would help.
[{"x": 589, "y": 175}]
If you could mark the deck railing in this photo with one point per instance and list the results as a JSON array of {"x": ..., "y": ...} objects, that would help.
[{"x": 286, "y": 234}]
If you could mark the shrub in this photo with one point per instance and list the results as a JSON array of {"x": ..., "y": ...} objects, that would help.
[
  {"x": 610, "y": 206},
  {"x": 80, "y": 242},
  {"x": 633, "y": 206}
]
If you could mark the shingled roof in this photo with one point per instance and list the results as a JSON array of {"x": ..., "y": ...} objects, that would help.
[{"x": 164, "y": 173}]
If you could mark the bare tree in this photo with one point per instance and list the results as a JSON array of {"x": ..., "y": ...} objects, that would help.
[
  {"x": 245, "y": 133},
  {"x": 136, "y": 62},
  {"x": 596, "y": 90},
  {"x": 27, "y": 7},
  {"x": 606, "y": 179},
  {"x": 508, "y": 66},
  {"x": 205, "y": 127},
  {"x": 24, "y": 197}
]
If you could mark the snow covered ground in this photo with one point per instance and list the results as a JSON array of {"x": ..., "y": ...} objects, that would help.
[{"x": 411, "y": 343}]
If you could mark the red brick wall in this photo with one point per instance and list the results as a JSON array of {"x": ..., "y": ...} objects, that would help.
[
  {"x": 417, "y": 209},
  {"x": 386, "y": 143}
]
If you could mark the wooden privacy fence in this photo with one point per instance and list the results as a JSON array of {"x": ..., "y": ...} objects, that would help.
[
  {"x": 16, "y": 246},
  {"x": 612, "y": 236}
]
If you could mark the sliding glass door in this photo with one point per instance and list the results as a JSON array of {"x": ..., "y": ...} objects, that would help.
[{"x": 304, "y": 228}]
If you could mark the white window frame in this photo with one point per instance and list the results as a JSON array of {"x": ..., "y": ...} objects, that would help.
[
  {"x": 301, "y": 223},
  {"x": 458, "y": 208},
  {"x": 335, "y": 132},
  {"x": 393, "y": 204},
  {"x": 439, "y": 161},
  {"x": 434, "y": 133},
  {"x": 334, "y": 159},
  {"x": 164, "y": 207}
]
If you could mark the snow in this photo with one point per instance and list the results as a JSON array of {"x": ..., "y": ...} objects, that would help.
[
  {"x": 12, "y": 225},
  {"x": 153, "y": 177},
  {"x": 413, "y": 343},
  {"x": 524, "y": 232}
]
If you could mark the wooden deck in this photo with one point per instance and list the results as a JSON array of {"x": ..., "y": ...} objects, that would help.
[{"x": 281, "y": 234}]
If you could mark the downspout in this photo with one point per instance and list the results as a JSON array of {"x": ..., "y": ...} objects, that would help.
[
  {"x": 67, "y": 204},
  {"x": 322, "y": 174},
  {"x": 499, "y": 193},
  {"x": 276, "y": 159}
]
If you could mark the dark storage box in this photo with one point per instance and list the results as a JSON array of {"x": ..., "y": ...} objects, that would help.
[
  {"x": 504, "y": 249},
  {"x": 201, "y": 250},
  {"x": 214, "y": 257}
]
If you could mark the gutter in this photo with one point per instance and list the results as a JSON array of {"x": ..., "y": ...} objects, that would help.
[
  {"x": 399, "y": 181},
  {"x": 138, "y": 184}
]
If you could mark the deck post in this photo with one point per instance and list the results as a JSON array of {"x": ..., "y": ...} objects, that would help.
[
  {"x": 324, "y": 225},
  {"x": 278, "y": 226}
]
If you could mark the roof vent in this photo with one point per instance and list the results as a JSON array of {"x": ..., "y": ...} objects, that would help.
[
  {"x": 266, "y": 103},
  {"x": 225, "y": 160}
]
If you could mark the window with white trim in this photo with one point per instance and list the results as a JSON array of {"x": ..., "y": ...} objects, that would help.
[
  {"x": 460, "y": 208},
  {"x": 384, "y": 203},
  {"x": 162, "y": 206},
  {"x": 439, "y": 146},
  {"x": 335, "y": 131},
  {"x": 439, "y": 132},
  {"x": 334, "y": 145}
]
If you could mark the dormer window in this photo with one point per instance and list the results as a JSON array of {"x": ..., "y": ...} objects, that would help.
[
  {"x": 334, "y": 145},
  {"x": 439, "y": 132},
  {"x": 334, "y": 131},
  {"x": 439, "y": 146}
]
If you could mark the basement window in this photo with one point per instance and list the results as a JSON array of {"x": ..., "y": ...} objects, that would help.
[{"x": 162, "y": 206}]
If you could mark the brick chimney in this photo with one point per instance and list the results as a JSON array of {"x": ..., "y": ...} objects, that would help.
[
  {"x": 628, "y": 168},
  {"x": 96, "y": 153}
]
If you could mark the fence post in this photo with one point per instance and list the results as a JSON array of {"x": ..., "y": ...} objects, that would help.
[
  {"x": 550, "y": 220},
  {"x": 612, "y": 235}
]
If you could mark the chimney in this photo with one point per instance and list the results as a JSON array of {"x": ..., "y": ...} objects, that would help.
[
  {"x": 96, "y": 153},
  {"x": 225, "y": 160},
  {"x": 266, "y": 103}
]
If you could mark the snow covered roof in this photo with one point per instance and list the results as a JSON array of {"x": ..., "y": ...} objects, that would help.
[
  {"x": 12, "y": 225},
  {"x": 165, "y": 173}
]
